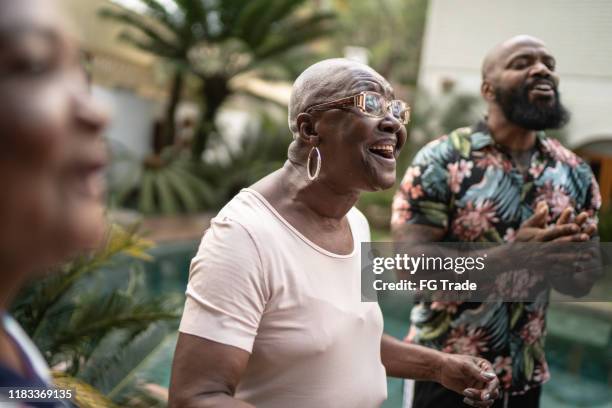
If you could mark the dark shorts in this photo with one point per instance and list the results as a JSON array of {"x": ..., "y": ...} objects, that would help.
[{"x": 433, "y": 395}]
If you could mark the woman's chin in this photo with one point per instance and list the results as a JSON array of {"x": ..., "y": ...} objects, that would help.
[
  {"x": 88, "y": 228},
  {"x": 383, "y": 182}
]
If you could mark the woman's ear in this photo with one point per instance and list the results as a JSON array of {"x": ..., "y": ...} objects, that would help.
[{"x": 306, "y": 129}]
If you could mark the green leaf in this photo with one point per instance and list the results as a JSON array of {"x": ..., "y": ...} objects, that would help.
[
  {"x": 434, "y": 212},
  {"x": 538, "y": 351},
  {"x": 167, "y": 200},
  {"x": 528, "y": 362},
  {"x": 491, "y": 235},
  {"x": 187, "y": 196},
  {"x": 204, "y": 191},
  {"x": 525, "y": 190},
  {"x": 517, "y": 311},
  {"x": 436, "y": 328},
  {"x": 461, "y": 142},
  {"x": 147, "y": 193},
  {"x": 118, "y": 373},
  {"x": 137, "y": 22}
]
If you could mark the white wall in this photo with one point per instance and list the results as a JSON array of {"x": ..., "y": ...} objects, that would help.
[
  {"x": 578, "y": 33},
  {"x": 132, "y": 119}
]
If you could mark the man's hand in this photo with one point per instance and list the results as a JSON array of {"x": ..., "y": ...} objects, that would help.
[
  {"x": 471, "y": 376},
  {"x": 535, "y": 228},
  {"x": 569, "y": 269}
]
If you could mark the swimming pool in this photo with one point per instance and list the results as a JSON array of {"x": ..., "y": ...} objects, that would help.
[{"x": 579, "y": 342}]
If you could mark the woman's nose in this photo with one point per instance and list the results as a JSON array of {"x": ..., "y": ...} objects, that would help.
[
  {"x": 389, "y": 124},
  {"x": 89, "y": 113}
]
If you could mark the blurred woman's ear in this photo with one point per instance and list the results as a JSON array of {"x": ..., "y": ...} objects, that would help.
[{"x": 306, "y": 130}]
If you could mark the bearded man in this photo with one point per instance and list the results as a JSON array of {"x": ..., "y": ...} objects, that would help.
[{"x": 499, "y": 181}]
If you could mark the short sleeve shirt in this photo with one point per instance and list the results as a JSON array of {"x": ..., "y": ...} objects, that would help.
[
  {"x": 468, "y": 185},
  {"x": 258, "y": 284}
]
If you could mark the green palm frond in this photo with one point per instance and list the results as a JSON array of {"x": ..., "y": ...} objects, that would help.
[
  {"x": 86, "y": 396},
  {"x": 164, "y": 39},
  {"x": 158, "y": 11},
  {"x": 195, "y": 20},
  {"x": 114, "y": 375},
  {"x": 99, "y": 323},
  {"x": 46, "y": 297},
  {"x": 93, "y": 319},
  {"x": 150, "y": 46},
  {"x": 172, "y": 187}
]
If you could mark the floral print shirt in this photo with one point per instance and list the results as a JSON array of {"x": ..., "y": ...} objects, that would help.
[{"x": 469, "y": 186}]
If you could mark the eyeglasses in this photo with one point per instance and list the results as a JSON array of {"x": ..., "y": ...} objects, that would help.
[{"x": 371, "y": 104}]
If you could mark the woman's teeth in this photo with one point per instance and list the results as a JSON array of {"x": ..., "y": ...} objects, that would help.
[{"x": 384, "y": 150}]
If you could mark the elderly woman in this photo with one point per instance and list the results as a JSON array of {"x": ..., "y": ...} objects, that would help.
[
  {"x": 273, "y": 316},
  {"x": 51, "y": 157}
]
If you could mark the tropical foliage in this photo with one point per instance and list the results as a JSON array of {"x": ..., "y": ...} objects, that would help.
[
  {"x": 172, "y": 183},
  {"x": 164, "y": 184},
  {"x": 215, "y": 41},
  {"x": 391, "y": 31},
  {"x": 94, "y": 324},
  {"x": 262, "y": 150}
]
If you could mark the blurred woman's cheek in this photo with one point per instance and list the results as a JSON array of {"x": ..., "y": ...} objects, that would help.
[
  {"x": 34, "y": 129},
  {"x": 29, "y": 200}
]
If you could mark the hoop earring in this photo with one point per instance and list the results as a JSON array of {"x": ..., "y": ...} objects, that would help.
[{"x": 318, "y": 168}]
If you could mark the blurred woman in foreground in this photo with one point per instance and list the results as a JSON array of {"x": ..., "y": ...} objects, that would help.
[
  {"x": 52, "y": 156},
  {"x": 274, "y": 316}
]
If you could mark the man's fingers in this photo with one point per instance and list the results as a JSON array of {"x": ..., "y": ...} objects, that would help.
[
  {"x": 580, "y": 237},
  {"x": 565, "y": 216},
  {"x": 537, "y": 220},
  {"x": 539, "y": 217},
  {"x": 581, "y": 218},
  {"x": 590, "y": 229},
  {"x": 557, "y": 231}
]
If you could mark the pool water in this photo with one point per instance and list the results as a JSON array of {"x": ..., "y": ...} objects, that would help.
[{"x": 579, "y": 344}]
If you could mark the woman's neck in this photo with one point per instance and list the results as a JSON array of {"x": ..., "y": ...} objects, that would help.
[{"x": 317, "y": 197}]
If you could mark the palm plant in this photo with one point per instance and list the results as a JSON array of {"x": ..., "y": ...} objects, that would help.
[
  {"x": 95, "y": 325},
  {"x": 218, "y": 40},
  {"x": 163, "y": 184},
  {"x": 171, "y": 183},
  {"x": 262, "y": 150}
]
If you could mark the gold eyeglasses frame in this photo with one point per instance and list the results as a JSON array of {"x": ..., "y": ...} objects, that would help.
[{"x": 359, "y": 101}]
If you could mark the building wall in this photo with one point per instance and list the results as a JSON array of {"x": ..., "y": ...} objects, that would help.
[
  {"x": 133, "y": 117},
  {"x": 578, "y": 33},
  {"x": 129, "y": 81}
]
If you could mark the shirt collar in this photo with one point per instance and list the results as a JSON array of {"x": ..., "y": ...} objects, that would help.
[{"x": 481, "y": 138}]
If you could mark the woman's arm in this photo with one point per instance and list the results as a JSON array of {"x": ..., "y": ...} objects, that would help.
[
  {"x": 205, "y": 374},
  {"x": 455, "y": 372}
]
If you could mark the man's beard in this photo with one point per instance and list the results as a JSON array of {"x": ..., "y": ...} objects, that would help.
[{"x": 519, "y": 110}]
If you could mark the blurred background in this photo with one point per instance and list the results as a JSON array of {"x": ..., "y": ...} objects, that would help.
[{"x": 199, "y": 92}]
